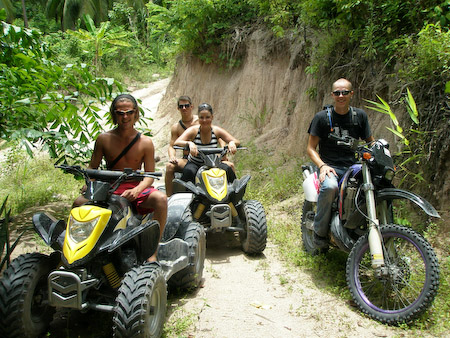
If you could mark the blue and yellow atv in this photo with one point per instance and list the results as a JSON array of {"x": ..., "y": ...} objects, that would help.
[{"x": 99, "y": 262}]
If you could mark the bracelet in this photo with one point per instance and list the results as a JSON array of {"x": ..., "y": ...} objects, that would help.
[{"x": 321, "y": 166}]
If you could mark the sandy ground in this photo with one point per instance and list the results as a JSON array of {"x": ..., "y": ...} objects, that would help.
[{"x": 241, "y": 296}]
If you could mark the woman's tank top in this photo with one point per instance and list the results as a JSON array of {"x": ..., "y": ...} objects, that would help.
[{"x": 198, "y": 142}]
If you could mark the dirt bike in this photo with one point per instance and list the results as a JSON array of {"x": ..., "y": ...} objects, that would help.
[
  {"x": 392, "y": 271},
  {"x": 219, "y": 205},
  {"x": 99, "y": 262}
]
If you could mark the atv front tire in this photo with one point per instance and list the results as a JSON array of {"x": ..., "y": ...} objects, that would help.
[
  {"x": 190, "y": 277},
  {"x": 141, "y": 303},
  {"x": 254, "y": 238},
  {"x": 24, "y": 309}
]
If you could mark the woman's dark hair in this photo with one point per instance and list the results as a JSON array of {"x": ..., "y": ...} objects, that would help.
[
  {"x": 120, "y": 98},
  {"x": 205, "y": 106}
]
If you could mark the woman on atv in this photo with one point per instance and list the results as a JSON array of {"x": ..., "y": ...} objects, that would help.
[{"x": 205, "y": 135}]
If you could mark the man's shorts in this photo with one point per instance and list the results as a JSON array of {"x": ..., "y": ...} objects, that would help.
[{"x": 140, "y": 199}]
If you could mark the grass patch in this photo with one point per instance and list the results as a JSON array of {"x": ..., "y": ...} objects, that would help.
[
  {"x": 275, "y": 180},
  {"x": 34, "y": 181}
]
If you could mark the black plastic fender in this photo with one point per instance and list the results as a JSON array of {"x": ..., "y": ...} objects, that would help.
[
  {"x": 148, "y": 230},
  {"x": 176, "y": 206},
  {"x": 238, "y": 189},
  {"x": 51, "y": 230},
  {"x": 394, "y": 193}
]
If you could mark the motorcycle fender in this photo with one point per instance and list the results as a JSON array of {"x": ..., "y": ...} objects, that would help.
[
  {"x": 176, "y": 206},
  {"x": 51, "y": 230},
  {"x": 394, "y": 193}
]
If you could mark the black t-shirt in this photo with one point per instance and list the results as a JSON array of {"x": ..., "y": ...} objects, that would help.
[{"x": 331, "y": 153}]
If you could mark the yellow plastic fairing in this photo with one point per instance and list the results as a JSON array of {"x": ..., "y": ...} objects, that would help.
[
  {"x": 215, "y": 182},
  {"x": 84, "y": 228}
]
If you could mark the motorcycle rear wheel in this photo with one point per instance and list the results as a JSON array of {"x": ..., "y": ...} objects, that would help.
[
  {"x": 254, "y": 238},
  {"x": 24, "y": 309},
  {"x": 403, "y": 289},
  {"x": 140, "y": 309}
]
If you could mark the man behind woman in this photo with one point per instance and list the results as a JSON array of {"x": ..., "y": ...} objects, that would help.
[{"x": 205, "y": 135}]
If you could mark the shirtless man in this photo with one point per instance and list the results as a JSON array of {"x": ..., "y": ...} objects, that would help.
[
  {"x": 125, "y": 113},
  {"x": 184, "y": 106}
]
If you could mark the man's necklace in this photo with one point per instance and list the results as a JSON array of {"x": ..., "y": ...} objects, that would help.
[{"x": 188, "y": 122}]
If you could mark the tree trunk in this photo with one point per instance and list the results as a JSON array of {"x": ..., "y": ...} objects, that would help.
[{"x": 25, "y": 18}]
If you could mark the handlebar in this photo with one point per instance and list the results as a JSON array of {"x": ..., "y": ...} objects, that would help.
[
  {"x": 209, "y": 151},
  {"x": 109, "y": 175}
]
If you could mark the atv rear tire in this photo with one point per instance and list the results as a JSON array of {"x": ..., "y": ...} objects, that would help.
[
  {"x": 190, "y": 277},
  {"x": 141, "y": 303},
  {"x": 24, "y": 309},
  {"x": 254, "y": 238}
]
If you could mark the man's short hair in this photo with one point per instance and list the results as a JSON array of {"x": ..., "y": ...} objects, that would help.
[{"x": 184, "y": 98}]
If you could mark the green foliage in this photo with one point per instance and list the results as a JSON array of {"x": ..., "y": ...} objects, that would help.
[
  {"x": 100, "y": 41},
  {"x": 67, "y": 12},
  {"x": 199, "y": 26},
  {"x": 31, "y": 182},
  {"x": 427, "y": 55},
  {"x": 268, "y": 182},
  {"x": 414, "y": 153},
  {"x": 45, "y": 103}
]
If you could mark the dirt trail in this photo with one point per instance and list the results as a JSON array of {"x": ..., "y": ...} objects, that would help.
[{"x": 241, "y": 296}]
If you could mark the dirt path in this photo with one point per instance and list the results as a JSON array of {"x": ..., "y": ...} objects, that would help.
[
  {"x": 241, "y": 296},
  {"x": 260, "y": 297}
]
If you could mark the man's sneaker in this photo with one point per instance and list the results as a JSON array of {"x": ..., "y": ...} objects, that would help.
[{"x": 320, "y": 242}]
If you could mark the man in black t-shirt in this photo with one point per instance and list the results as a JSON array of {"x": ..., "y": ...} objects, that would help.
[{"x": 332, "y": 159}]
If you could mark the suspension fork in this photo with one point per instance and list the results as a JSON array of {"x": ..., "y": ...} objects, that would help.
[{"x": 375, "y": 239}]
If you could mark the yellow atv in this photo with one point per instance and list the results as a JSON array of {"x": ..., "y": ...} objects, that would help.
[
  {"x": 219, "y": 205},
  {"x": 99, "y": 262}
]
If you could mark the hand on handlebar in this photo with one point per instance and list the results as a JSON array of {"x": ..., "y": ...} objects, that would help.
[
  {"x": 193, "y": 148},
  {"x": 232, "y": 147}
]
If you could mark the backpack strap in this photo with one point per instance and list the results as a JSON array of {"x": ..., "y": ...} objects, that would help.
[
  {"x": 353, "y": 116},
  {"x": 330, "y": 123},
  {"x": 124, "y": 151}
]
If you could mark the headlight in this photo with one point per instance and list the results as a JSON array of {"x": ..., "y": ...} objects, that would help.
[
  {"x": 79, "y": 231},
  {"x": 389, "y": 175},
  {"x": 216, "y": 182}
]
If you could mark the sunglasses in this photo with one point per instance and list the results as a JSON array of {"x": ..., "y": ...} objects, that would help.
[
  {"x": 121, "y": 113},
  {"x": 181, "y": 106},
  {"x": 341, "y": 92}
]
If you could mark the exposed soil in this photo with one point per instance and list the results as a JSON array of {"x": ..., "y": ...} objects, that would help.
[{"x": 241, "y": 296}]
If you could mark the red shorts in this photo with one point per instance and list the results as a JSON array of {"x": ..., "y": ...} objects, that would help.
[{"x": 140, "y": 199}]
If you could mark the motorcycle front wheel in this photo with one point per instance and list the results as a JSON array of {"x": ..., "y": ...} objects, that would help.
[{"x": 404, "y": 287}]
